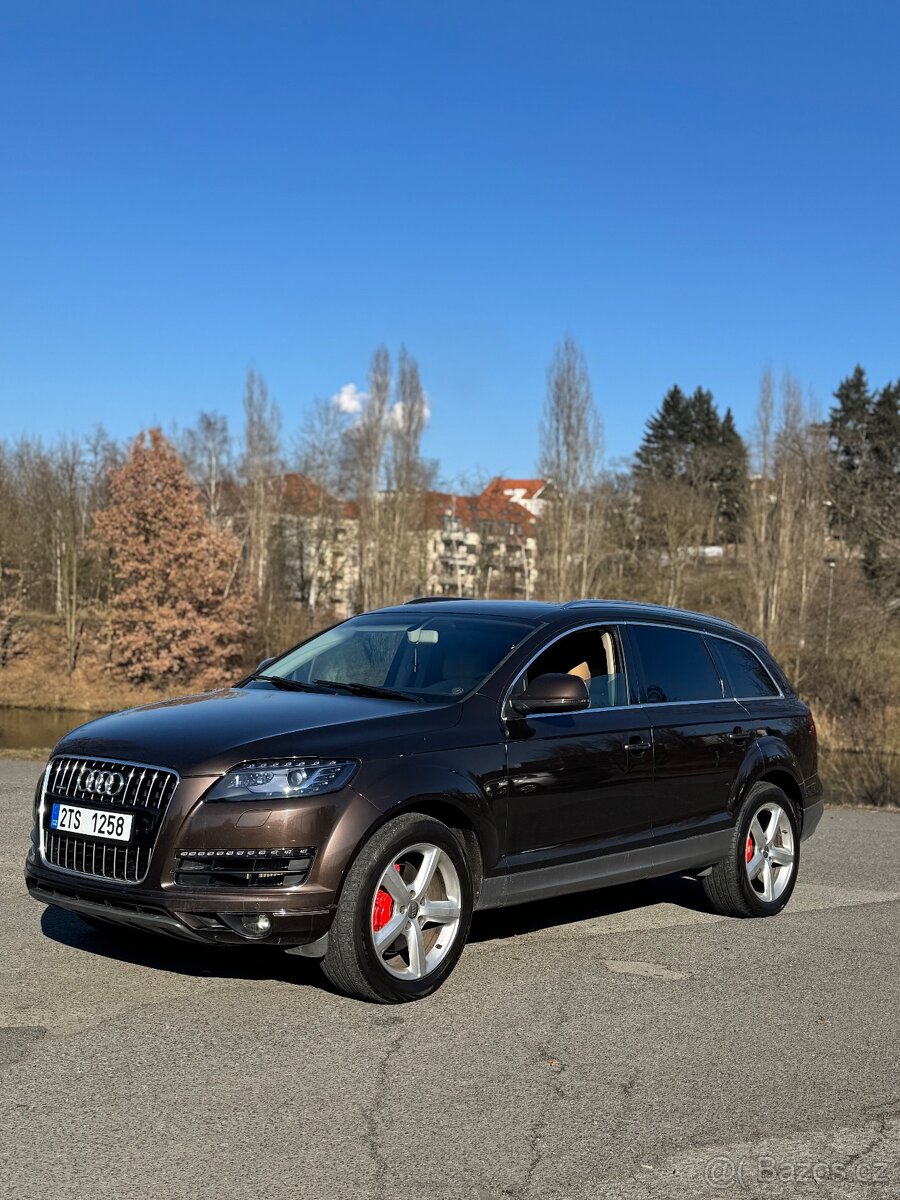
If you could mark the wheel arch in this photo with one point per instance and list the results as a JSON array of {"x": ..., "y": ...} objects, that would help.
[
  {"x": 464, "y": 809},
  {"x": 769, "y": 761},
  {"x": 457, "y": 819}
]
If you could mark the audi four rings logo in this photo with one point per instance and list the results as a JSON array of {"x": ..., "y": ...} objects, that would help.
[{"x": 105, "y": 783}]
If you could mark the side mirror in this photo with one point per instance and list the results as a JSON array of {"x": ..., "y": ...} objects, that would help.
[
  {"x": 555, "y": 693},
  {"x": 257, "y": 670}
]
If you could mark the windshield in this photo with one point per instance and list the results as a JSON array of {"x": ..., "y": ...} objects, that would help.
[{"x": 435, "y": 658}]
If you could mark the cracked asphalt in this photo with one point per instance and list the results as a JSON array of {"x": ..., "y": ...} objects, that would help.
[{"x": 626, "y": 1043}]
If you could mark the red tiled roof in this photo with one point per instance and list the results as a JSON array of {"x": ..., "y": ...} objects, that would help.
[
  {"x": 530, "y": 487},
  {"x": 303, "y": 495},
  {"x": 491, "y": 505}
]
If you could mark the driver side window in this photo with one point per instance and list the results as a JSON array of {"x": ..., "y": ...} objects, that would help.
[{"x": 593, "y": 655}]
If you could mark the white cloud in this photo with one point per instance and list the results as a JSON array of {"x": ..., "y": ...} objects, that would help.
[
  {"x": 395, "y": 412},
  {"x": 349, "y": 399}
]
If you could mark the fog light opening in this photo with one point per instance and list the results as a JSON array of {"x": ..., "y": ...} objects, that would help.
[{"x": 249, "y": 925}]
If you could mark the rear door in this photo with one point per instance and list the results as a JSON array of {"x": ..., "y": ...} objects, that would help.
[
  {"x": 771, "y": 713},
  {"x": 700, "y": 736}
]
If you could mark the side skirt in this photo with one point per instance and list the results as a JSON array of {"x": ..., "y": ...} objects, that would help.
[{"x": 539, "y": 883}]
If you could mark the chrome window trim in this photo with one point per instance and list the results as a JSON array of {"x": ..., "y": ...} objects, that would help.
[
  {"x": 660, "y": 704},
  {"x": 120, "y": 762},
  {"x": 565, "y": 633}
]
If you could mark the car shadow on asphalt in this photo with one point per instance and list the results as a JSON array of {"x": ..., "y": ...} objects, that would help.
[
  {"x": 160, "y": 953},
  {"x": 681, "y": 890},
  {"x": 263, "y": 962}
]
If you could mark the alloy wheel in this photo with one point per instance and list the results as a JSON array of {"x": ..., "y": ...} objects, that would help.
[
  {"x": 770, "y": 853},
  {"x": 416, "y": 910}
]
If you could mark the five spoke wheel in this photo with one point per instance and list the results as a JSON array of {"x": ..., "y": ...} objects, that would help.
[
  {"x": 416, "y": 910},
  {"x": 770, "y": 851}
]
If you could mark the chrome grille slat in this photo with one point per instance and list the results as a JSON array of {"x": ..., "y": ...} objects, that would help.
[{"x": 147, "y": 789}]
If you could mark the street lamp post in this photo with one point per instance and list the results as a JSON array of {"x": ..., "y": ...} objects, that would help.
[{"x": 831, "y": 565}]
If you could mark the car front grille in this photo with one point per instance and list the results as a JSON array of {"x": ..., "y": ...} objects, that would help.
[{"x": 144, "y": 791}]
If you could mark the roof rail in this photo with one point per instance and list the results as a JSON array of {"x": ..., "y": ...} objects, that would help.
[
  {"x": 432, "y": 599},
  {"x": 663, "y": 609}
]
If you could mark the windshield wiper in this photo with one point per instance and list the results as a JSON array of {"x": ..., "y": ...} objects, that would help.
[
  {"x": 289, "y": 685},
  {"x": 369, "y": 689}
]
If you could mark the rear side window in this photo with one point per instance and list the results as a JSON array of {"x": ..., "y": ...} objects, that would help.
[
  {"x": 677, "y": 665},
  {"x": 748, "y": 677}
]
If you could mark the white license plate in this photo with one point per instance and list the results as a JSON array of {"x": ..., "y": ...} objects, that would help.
[{"x": 91, "y": 822}]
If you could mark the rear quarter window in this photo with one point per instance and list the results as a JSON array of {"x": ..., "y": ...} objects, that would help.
[{"x": 748, "y": 677}]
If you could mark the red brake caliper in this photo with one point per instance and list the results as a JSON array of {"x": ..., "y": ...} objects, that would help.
[
  {"x": 749, "y": 846},
  {"x": 383, "y": 908}
]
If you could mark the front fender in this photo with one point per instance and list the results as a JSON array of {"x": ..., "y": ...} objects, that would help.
[{"x": 477, "y": 792}]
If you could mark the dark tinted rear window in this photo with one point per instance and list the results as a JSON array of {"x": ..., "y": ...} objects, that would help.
[
  {"x": 677, "y": 665},
  {"x": 747, "y": 675}
]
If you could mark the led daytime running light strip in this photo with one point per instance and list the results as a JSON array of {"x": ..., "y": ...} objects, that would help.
[{"x": 277, "y": 852}]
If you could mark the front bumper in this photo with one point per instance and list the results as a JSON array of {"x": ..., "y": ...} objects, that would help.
[
  {"x": 188, "y": 920},
  {"x": 170, "y": 903}
]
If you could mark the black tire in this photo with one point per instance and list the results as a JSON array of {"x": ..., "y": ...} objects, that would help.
[
  {"x": 351, "y": 962},
  {"x": 728, "y": 887}
]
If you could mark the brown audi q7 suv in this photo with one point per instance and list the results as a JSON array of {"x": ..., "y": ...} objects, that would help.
[{"x": 356, "y": 799}]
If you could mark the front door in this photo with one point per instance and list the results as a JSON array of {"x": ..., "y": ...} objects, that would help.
[{"x": 580, "y": 784}]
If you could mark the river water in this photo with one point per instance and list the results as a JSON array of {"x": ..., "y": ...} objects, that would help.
[{"x": 27, "y": 728}]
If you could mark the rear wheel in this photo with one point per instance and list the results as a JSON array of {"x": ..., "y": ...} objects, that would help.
[
  {"x": 758, "y": 876},
  {"x": 404, "y": 914}
]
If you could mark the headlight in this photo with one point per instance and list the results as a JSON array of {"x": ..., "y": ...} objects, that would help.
[{"x": 284, "y": 780}]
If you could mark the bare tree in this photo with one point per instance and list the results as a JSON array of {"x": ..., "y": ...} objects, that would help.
[
  {"x": 319, "y": 549},
  {"x": 569, "y": 457},
  {"x": 675, "y": 521},
  {"x": 206, "y": 448},
  {"x": 408, "y": 477},
  {"x": 364, "y": 460},
  {"x": 388, "y": 480},
  {"x": 260, "y": 473},
  {"x": 12, "y": 609},
  {"x": 787, "y": 518}
]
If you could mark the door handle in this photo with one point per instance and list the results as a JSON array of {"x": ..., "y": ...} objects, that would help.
[
  {"x": 637, "y": 745},
  {"x": 740, "y": 735}
]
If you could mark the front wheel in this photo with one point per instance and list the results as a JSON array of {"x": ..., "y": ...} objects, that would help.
[
  {"x": 758, "y": 876},
  {"x": 404, "y": 914}
]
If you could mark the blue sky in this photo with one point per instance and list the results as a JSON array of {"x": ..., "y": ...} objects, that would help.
[{"x": 692, "y": 190}]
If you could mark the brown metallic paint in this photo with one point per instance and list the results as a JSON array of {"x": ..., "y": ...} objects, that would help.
[{"x": 537, "y": 791}]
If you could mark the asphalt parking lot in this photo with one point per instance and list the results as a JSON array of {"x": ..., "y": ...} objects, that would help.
[{"x": 627, "y": 1043}]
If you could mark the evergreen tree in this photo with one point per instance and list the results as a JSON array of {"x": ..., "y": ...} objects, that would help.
[
  {"x": 864, "y": 429},
  {"x": 687, "y": 441},
  {"x": 704, "y": 420},
  {"x": 665, "y": 450},
  {"x": 731, "y": 475}
]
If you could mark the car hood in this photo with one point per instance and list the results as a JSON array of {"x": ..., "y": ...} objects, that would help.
[{"x": 212, "y": 732}]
